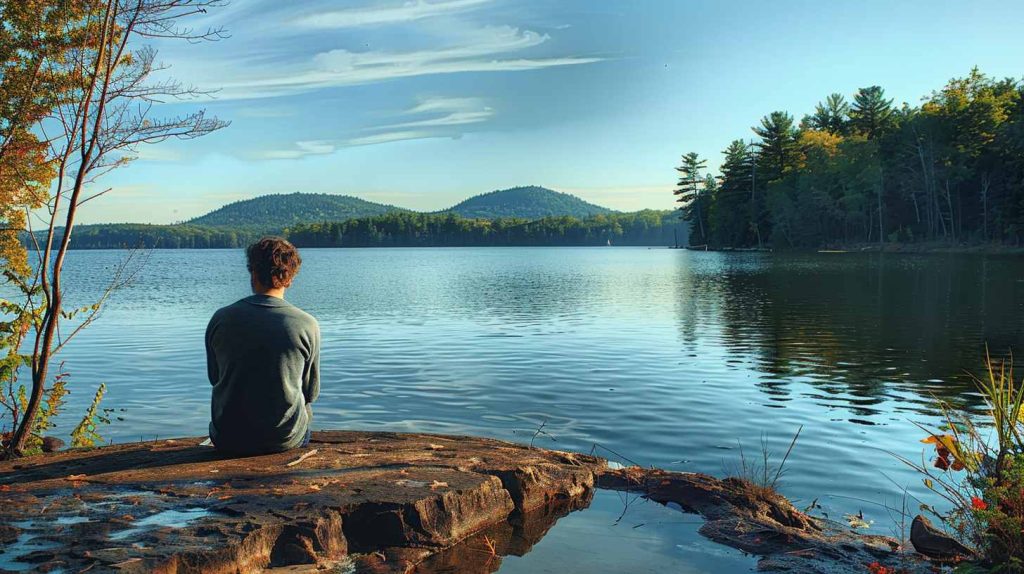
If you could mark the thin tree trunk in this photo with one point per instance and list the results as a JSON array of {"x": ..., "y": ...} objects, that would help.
[
  {"x": 985, "y": 183},
  {"x": 952, "y": 215},
  {"x": 51, "y": 318},
  {"x": 881, "y": 229}
]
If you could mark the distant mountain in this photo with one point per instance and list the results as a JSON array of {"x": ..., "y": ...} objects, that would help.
[
  {"x": 277, "y": 211},
  {"x": 530, "y": 202}
]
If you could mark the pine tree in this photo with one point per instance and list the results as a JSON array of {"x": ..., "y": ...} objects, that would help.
[
  {"x": 777, "y": 151},
  {"x": 871, "y": 114},
  {"x": 691, "y": 194},
  {"x": 831, "y": 116},
  {"x": 730, "y": 213}
]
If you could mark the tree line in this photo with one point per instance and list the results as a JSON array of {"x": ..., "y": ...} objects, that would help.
[
  {"x": 147, "y": 236},
  {"x": 404, "y": 229},
  {"x": 399, "y": 229},
  {"x": 866, "y": 171}
]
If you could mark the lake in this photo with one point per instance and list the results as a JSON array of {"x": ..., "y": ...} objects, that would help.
[{"x": 664, "y": 357}]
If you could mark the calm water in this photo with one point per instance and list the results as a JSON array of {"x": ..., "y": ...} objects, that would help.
[{"x": 667, "y": 357}]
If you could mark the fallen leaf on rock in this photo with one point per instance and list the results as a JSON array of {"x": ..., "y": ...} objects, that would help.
[
  {"x": 438, "y": 484},
  {"x": 857, "y": 520},
  {"x": 314, "y": 487}
]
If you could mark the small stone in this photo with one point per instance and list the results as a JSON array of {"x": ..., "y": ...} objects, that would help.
[
  {"x": 52, "y": 444},
  {"x": 934, "y": 543}
]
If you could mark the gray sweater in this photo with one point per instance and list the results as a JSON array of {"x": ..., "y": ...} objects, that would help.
[{"x": 263, "y": 360}]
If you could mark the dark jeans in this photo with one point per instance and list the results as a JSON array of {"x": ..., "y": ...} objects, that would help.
[{"x": 309, "y": 427}]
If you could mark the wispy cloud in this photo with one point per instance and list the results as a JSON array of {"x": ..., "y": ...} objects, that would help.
[
  {"x": 478, "y": 51},
  {"x": 301, "y": 149},
  {"x": 446, "y": 112},
  {"x": 393, "y": 14},
  {"x": 390, "y": 137},
  {"x": 443, "y": 116}
]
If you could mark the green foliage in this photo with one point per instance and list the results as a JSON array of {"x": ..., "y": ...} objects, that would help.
[
  {"x": 694, "y": 195},
  {"x": 146, "y": 236},
  {"x": 871, "y": 114},
  {"x": 406, "y": 229},
  {"x": 832, "y": 116},
  {"x": 51, "y": 407},
  {"x": 982, "y": 477},
  {"x": 950, "y": 170},
  {"x": 239, "y": 224},
  {"x": 530, "y": 202},
  {"x": 86, "y": 434}
]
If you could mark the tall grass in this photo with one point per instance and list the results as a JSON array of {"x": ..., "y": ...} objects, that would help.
[{"x": 762, "y": 471}]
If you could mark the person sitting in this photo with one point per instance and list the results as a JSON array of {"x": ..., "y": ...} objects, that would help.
[{"x": 263, "y": 360}]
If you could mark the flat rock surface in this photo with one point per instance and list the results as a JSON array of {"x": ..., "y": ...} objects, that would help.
[
  {"x": 364, "y": 502},
  {"x": 373, "y": 501}
]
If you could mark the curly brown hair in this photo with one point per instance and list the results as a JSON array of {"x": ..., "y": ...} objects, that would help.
[{"x": 274, "y": 261}]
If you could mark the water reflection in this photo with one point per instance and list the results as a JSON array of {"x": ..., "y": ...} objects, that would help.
[
  {"x": 669, "y": 357},
  {"x": 857, "y": 324}
]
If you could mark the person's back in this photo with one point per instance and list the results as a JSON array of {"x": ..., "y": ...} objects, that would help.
[{"x": 263, "y": 360}]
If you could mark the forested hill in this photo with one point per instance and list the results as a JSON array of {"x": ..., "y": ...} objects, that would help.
[
  {"x": 531, "y": 202},
  {"x": 320, "y": 217},
  {"x": 278, "y": 211}
]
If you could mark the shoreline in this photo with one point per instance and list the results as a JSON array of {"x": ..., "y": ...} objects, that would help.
[
  {"x": 374, "y": 501},
  {"x": 915, "y": 248}
]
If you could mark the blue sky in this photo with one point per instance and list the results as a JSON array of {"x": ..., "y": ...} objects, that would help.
[{"x": 423, "y": 103}]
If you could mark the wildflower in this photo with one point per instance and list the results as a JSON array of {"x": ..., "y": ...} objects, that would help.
[
  {"x": 876, "y": 568},
  {"x": 978, "y": 504}
]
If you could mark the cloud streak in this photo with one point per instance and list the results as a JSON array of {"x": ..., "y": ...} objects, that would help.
[
  {"x": 301, "y": 149},
  {"x": 395, "y": 14},
  {"x": 446, "y": 112},
  {"x": 444, "y": 116},
  {"x": 480, "y": 51},
  {"x": 391, "y": 137}
]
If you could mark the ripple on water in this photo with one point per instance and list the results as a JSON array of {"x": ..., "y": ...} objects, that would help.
[{"x": 703, "y": 350}]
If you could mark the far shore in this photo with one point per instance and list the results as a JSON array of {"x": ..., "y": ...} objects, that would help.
[{"x": 922, "y": 247}]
